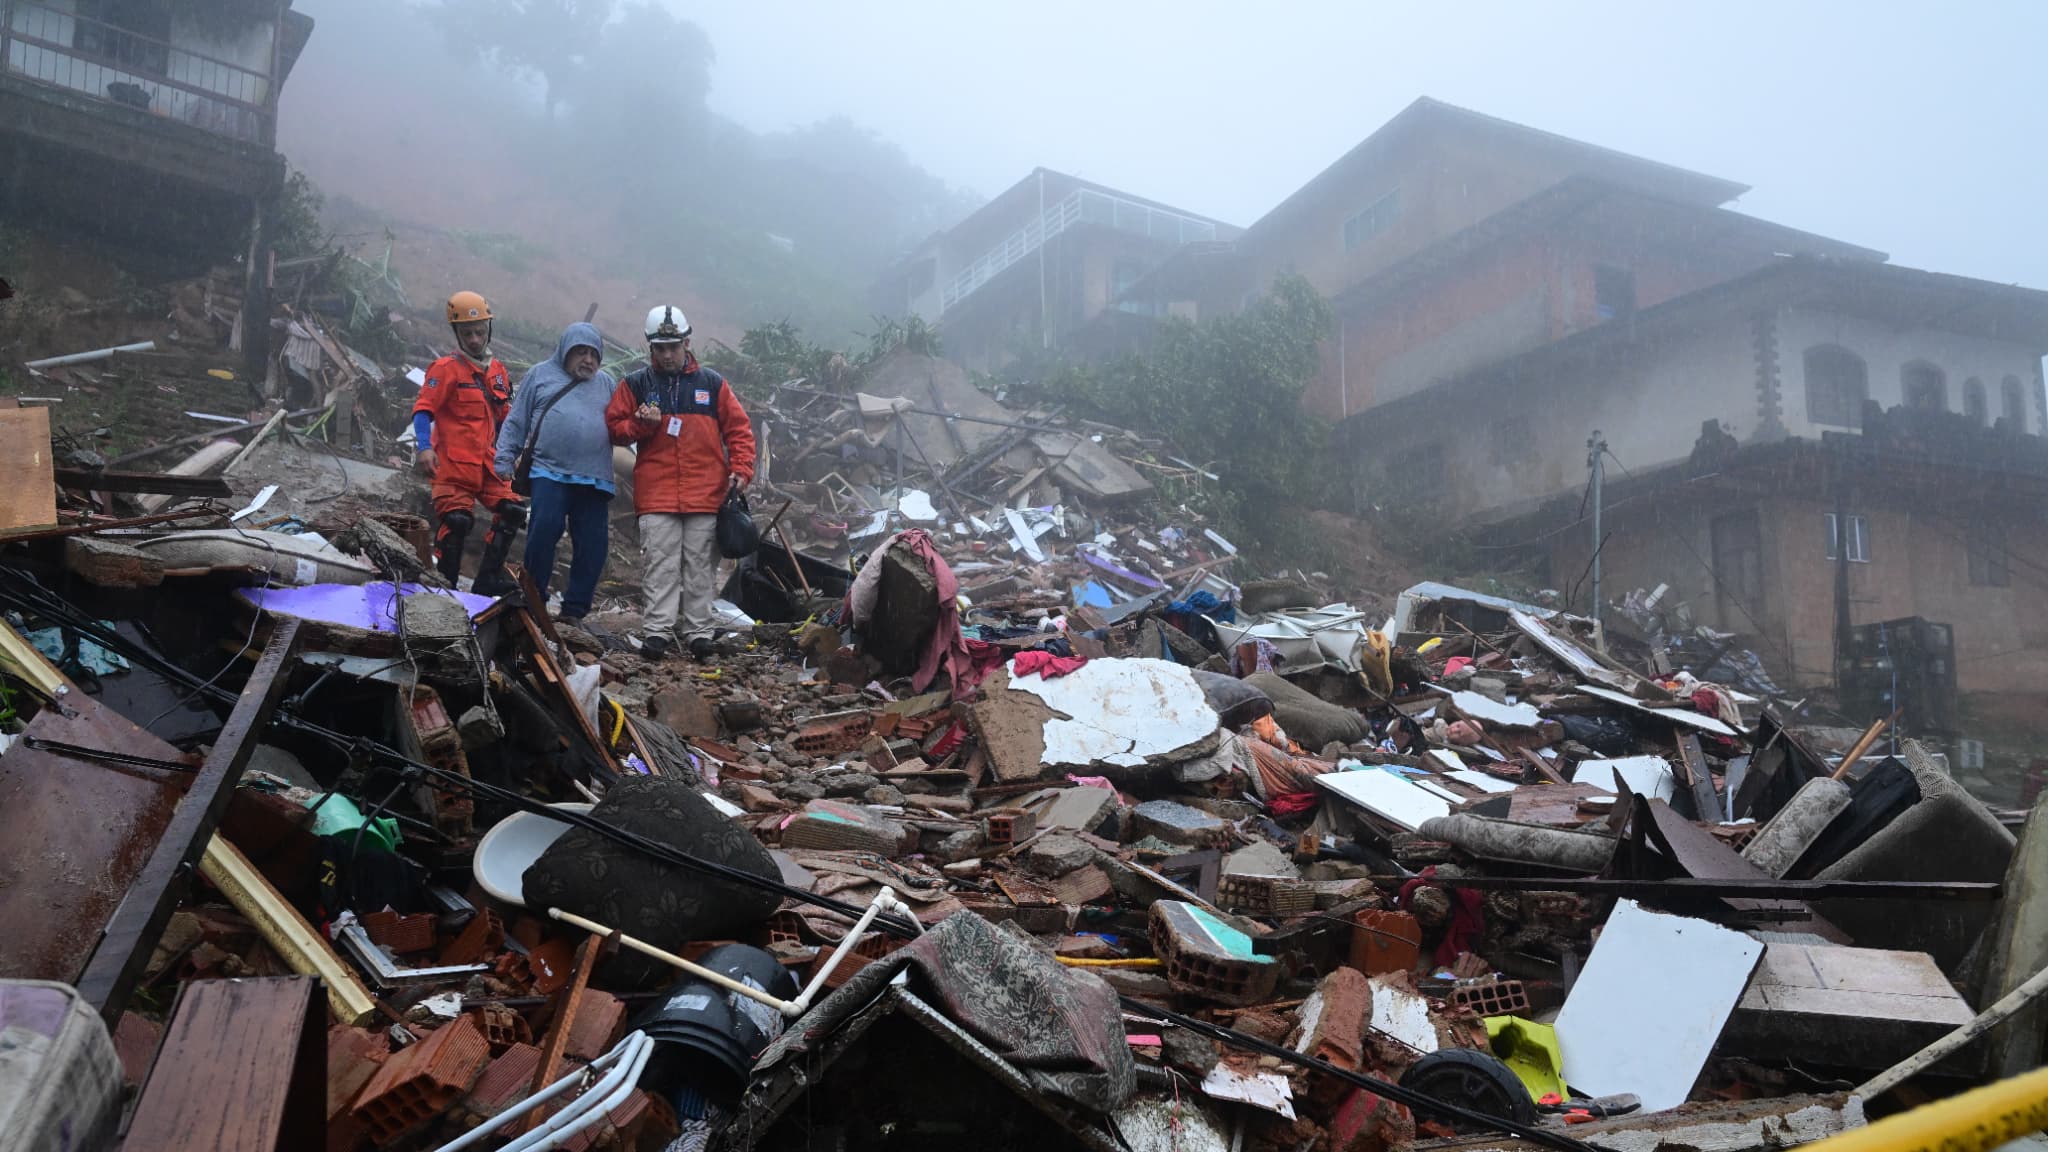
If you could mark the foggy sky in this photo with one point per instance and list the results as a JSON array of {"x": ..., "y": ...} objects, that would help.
[{"x": 1913, "y": 128}]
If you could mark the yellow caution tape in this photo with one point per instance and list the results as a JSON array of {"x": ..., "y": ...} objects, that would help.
[
  {"x": 1976, "y": 1121},
  {"x": 220, "y": 374}
]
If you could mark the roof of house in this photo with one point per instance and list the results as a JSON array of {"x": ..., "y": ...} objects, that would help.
[
  {"x": 998, "y": 217},
  {"x": 1583, "y": 198},
  {"x": 1427, "y": 115}
]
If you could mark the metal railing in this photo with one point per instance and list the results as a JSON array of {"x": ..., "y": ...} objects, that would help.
[
  {"x": 1083, "y": 206},
  {"x": 49, "y": 45}
]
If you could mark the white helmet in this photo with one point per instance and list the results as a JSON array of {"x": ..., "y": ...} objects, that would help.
[{"x": 667, "y": 325}]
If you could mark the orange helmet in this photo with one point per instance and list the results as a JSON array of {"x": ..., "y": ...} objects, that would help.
[{"x": 466, "y": 307}]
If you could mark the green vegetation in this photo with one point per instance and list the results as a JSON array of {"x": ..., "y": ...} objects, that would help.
[
  {"x": 1226, "y": 394},
  {"x": 777, "y": 353},
  {"x": 515, "y": 254}
]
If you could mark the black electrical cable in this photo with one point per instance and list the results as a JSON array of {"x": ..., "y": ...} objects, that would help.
[{"x": 668, "y": 854}]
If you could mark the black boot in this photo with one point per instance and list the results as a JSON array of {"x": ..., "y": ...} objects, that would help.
[
  {"x": 506, "y": 522},
  {"x": 451, "y": 537}
]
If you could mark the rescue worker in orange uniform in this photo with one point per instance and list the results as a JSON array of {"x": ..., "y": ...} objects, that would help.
[{"x": 455, "y": 425}]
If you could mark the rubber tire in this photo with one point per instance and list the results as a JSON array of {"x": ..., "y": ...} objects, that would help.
[{"x": 1473, "y": 1080}]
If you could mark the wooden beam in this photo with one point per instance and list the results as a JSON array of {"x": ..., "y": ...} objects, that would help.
[
  {"x": 567, "y": 1001},
  {"x": 156, "y": 483},
  {"x": 133, "y": 930}
]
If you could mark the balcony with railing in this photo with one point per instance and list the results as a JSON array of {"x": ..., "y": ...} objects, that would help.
[
  {"x": 63, "y": 49},
  {"x": 1084, "y": 206}
]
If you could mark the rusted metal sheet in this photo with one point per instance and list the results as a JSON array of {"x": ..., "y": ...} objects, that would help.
[
  {"x": 78, "y": 833},
  {"x": 243, "y": 1068},
  {"x": 139, "y": 920}
]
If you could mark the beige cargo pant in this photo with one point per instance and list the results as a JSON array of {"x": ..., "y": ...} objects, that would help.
[{"x": 681, "y": 557}]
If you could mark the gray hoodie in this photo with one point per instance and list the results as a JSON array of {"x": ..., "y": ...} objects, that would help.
[{"x": 573, "y": 445}]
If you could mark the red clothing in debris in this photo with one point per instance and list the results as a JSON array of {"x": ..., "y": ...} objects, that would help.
[{"x": 1050, "y": 665}]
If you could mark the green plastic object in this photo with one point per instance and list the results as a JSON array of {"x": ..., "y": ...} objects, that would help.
[
  {"x": 340, "y": 816},
  {"x": 1530, "y": 1050}
]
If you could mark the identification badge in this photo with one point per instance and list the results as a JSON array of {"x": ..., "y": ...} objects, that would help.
[{"x": 675, "y": 425}]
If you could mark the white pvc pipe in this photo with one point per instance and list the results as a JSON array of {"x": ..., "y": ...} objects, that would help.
[
  {"x": 89, "y": 357},
  {"x": 483, "y": 1131},
  {"x": 670, "y": 958},
  {"x": 591, "y": 1107},
  {"x": 885, "y": 898}
]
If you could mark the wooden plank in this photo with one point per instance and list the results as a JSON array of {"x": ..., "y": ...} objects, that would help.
[
  {"x": 79, "y": 832},
  {"x": 133, "y": 931},
  {"x": 28, "y": 487},
  {"x": 567, "y": 1001},
  {"x": 541, "y": 631},
  {"x": 158, "y": 483},
  {"x": 243, "y": 1068},
  {"x": 1706, "y": 802}
]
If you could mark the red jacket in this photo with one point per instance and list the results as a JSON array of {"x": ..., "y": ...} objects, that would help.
[
  {"x": 686, "y": 456},
  {"x": 467, "y": 404}
]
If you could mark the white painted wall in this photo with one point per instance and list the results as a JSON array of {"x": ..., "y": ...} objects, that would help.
[{"x": 1886, "y": 350}]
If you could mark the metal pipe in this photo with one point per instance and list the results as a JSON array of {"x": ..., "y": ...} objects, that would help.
[{"x": 89, "y": 357}]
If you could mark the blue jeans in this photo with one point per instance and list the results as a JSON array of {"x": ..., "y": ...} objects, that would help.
[{"x": 586, "y": 512}]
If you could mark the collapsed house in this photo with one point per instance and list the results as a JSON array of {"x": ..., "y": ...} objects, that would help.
[{"x": 1014, "y": 808}]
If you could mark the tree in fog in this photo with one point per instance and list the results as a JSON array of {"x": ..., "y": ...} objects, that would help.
[{"x": 552, "y": 39}]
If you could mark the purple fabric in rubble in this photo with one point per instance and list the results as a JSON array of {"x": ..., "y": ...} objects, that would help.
[{"x": 373, "y": 607}]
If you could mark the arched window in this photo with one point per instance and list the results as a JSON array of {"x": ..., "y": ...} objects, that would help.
[
  {"x": 2013, "y": 401},
  {"x": 1923, "y": 386},
  {"x": 1837, "y": 382},
  {"x": 1975, "y": 405}
]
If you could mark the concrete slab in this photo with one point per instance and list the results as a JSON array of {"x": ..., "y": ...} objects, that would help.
[{"x": 1847, "y": 1007}]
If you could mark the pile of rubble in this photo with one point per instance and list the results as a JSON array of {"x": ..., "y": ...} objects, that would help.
[{"x": 1011, "y": 810}]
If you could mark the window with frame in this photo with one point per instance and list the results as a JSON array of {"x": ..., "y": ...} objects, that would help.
[
  {"x": 1614, "y": 291},
  {"x": 2013, "y": 403},
  {"x": 1923, "y": 386},
  {"x": 1975, "y": 404},
  {"x": 1837, "y": 384},
  {"x": 1985, "y": 545},
  {"x": 1859, "y": 538},
  {"x": 1376, "y": 218}
]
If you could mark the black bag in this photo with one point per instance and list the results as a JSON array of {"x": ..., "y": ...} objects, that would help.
[
  {"x": 522, "y": 464},
  {"x": 737, "y": 535}
]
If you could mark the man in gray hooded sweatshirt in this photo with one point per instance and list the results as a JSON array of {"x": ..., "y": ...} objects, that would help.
[{"x": 559, "y": 407}]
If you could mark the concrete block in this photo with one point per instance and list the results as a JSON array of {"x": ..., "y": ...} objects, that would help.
[
  {"x": 1055, "y": 856},
  {"x": 1844, "y": 1007},
  {"x": 1179, "y": 824}
]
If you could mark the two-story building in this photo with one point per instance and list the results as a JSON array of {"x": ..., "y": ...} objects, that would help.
[
  {"x": 148, "y": 124},
  {"x": 1046, "y": 265}
]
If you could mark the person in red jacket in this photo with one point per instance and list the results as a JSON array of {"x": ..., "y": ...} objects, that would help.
[
  {"x": 455, "y": 429},
  {"x": 694, "y": 445}
]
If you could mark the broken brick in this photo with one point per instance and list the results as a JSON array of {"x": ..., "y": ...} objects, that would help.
[
  {"x": 417, "y": 1085},
  {"x": 483, "y": 936},
  {"x": 833, "y": 735},
  {"x": 596, "y": 1027}
]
